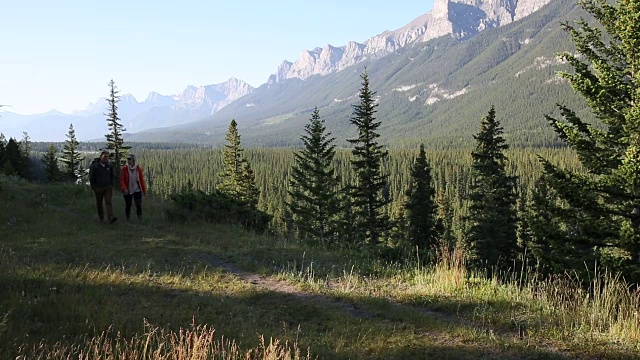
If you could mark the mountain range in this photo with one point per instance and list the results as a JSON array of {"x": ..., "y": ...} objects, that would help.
[
  {"x": 156, "y": 111},
  {"x": 434, "y": 78}
]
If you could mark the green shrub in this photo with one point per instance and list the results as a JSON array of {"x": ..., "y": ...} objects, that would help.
[{"x": 216, "y": 207}]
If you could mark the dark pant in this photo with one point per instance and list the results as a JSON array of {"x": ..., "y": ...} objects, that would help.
[
  {"x": 104, "y": 194},
  {"x": 137, "y": 198}
]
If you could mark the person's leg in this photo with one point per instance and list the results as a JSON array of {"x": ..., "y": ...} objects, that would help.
[
  {"x": 137, "y": 197},
  {"x": 108, "y": 195},
  {"x": 127, "y": 207},
  {"x": 99, "y": 197}
]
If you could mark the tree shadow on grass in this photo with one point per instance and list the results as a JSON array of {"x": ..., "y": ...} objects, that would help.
[
  {"x": 329, "y": 326},
  {"x": 42, "y": 309}
]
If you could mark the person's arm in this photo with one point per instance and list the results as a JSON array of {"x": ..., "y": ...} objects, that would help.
[
  {"x": 123, "y": 181},
  {"x": 143, "y": 185},
  {"x": 92, "y": 175}
]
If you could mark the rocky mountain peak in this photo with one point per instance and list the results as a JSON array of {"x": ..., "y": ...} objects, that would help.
[
  {"x": 460, "y": 19},
  {"x": 128, "y": 98},
  {"x": 281, "y": 72}
]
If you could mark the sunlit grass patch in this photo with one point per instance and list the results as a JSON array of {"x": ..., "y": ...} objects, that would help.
[
  {"x": 197, "y": 342},
  {"x": 556, "y": 309},
  {"x": 65, "y": 278}
]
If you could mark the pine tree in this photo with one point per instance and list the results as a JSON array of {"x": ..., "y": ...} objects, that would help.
[
  {"x": 233, "y": 161},
  {"x": 248, "y": 190},
  {"x": 71, "y": 157},
  {"x": 523, "y": 228},
  {"x": 399, "y": 233},
  {"x": 313, "y": 185},
  {"x": 25, "y": 145},
  {"x": 367, "y": 193},
  {"x": 2, "y": 151},
  {"x": 115, "y": 142},
  {"x": 347, "y": 234},
  {"x": 599, "y": 212},
  {"x": 237, "y": 176},
  {"x": 424, "y": 227},
  {"x": 13, "y": 160},
  {"x": 491, "y": 238},
  {"x": 50, "y": 162},
  {"x": 3, "y": 145},
  {"x": 545, "y": 241},
  {"x": 24, "y": 169},
  {"x": 444, "y": 218}
]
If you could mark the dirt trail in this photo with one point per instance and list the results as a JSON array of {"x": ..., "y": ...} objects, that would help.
[{"x": 280, "y": 286}]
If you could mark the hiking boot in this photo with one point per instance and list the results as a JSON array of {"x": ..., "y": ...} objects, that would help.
[{"x": 113, "y": 220}]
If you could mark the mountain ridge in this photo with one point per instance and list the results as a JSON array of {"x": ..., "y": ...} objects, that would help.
[
  {"x": 459, "y": 21},
  {"x": 432, "y": 92},
  {"x": 155, "y": 111}
]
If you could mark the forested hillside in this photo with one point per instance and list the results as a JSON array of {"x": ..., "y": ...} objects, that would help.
[
  {"x": 386, "y": 251},
  {"x": 171, "y": 171},
  {"x": 432, "y": 92}
]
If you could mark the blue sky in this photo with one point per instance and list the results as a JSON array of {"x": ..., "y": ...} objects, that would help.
[{"x": 61, "y": 54}]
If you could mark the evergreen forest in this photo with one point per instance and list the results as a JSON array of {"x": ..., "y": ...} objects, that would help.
[{"x": 571, "y": 209}]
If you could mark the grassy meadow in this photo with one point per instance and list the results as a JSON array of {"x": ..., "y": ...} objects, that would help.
[{"x": 71, "y": 287}]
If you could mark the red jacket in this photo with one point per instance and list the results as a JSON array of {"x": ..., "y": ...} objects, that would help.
[{"x": 124, "y": 179}]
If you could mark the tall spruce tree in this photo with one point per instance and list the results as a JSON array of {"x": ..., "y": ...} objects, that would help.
[
  {"x": 25, "y": 145},
  {"x": 237, "y": 177},
  {"x": 2, "y": 151},
  {"x": 424, "y": 227},
  {"x": 368, "y": 200},
  {"x": 232, "y": 163},
  {"x": 491, "y": 237},
  {"x": 347, "y": 229},
  {"x": 24, "y": 171},
  {"x": 523, "y": 227},
  {"x": 249, "y": 192},
  {"x": 445, "y": 220},
  {"x": 115, "y": 142},
  {"x": 14, "y": 164},
  {"x": 71, "y": 157},
  {"x": 313, "y": 187},
  {"x": 3, "y": 145},
  {"x": 545, "y": 240},
  {"x": 50, "y": 162},
  {"x": 598, "y": 213}
]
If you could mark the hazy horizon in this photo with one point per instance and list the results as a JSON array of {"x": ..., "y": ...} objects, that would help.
[{"x": 61, "y": 56}]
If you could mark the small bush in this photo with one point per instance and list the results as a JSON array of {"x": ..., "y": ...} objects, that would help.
[{"x": 216, "y": 208}]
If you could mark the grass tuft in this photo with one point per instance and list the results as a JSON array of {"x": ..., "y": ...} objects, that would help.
[{"x": 196, "y": 343}]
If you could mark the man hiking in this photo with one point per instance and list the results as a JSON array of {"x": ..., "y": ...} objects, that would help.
[{"x": 101, "y": 177}]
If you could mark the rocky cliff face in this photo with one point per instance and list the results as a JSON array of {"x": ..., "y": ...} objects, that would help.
[
  {"x": 211, "y": 98},
  {"x": 460, "y": 19},
  {"x": 203, "y": 99},
  {"x": 157, "y": 110}
]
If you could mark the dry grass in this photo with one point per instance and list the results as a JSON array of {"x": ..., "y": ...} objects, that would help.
[
  {"x": 557, "y": 309},
  {"x": 197, "y": 343},
  {"x": 64, "y": 279}
]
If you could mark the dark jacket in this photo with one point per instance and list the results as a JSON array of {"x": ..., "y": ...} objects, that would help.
[{"x": 101, "y": 176}]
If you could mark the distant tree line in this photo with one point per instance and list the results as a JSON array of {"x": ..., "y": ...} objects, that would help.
[{"x": 15, "y": 156}]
